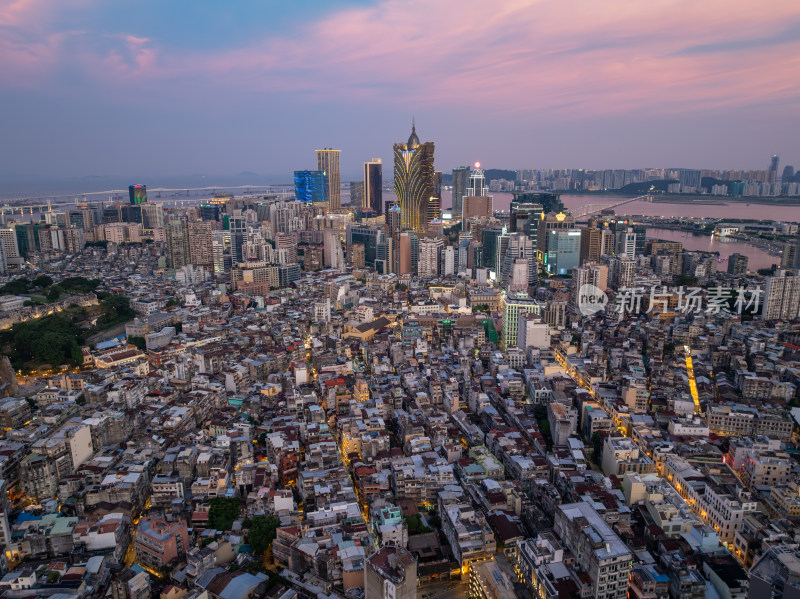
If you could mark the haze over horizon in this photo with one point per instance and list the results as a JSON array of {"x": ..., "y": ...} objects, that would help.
[{"x": 172, "y": 90}]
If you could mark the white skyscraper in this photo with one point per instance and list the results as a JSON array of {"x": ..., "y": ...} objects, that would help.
[
  {"x": 626, "y": 243},
  {"x": 588, "y": 274},
  {"x": 520, "y": 246},
  {"x": 334, "y": 256},
  {"x": 430, "y": 249},
  {"x": 449, "y": 260},
  {"x": 782, "y": 297}
]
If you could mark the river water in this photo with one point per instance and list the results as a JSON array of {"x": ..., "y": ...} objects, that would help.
[{"x": 758, "y": 258}]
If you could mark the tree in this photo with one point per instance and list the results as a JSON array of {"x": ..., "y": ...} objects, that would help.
[
  {"x": 685, "y": 280},
  {"x": 765, "y": 272},
  {"x": 139, "y": 342},
  {"x": 401, "y": 286},
  {"x": 415, "y": 525},
  {"x": 262, "y": 532},
  {"x": 173, "y": 302},
  {"x": 43, "y": 281},
  {"x": 54, "y": 294},
  {"x": 222, "y": 513},
  {"x": 114, "y": 309},
  {"x": 53, "y": 339},
  {"x": 79, "y": 284},
  {"x": 15, "y": 287}
]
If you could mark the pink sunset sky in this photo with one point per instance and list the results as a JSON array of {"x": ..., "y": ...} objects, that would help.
[{"x": 98, "y": 87}]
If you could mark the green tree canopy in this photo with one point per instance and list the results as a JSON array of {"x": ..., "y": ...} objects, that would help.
[
  {"x": 15, "y": 287},
  {"x": 43, "y": 281},
  {"x": 79, "y": 284},
  {"x": 262, "y": 532},
  {"x": 114, "y": 309},
  {"x": 52, "y": 340},
  {"x": 222, "y": 513}
]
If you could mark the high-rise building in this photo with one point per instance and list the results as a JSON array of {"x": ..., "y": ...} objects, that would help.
[
  {"x": 515, "y": 304},
  {"x": 449, "y": 260},
  {"x": 334, "y": 256},
  {"x": 621, "y": 271},
  {"x": 460, "y": 184},
  {"x": 310, "y": 186},
  {"x": 137, "y": 194},
  {"x": 328, "y": 163},
  {"x": 152, "y": 216},
  {"x": 28, "y": 238},
  {"x": 689, "y": 180},
  {"x": 588, "y": 274},
  {"x": 737, "y": 264},
  {"x": 491, "y": 243},
  {"x": 435, "y": 202},
  {"x": 626, "y": 243},
  {"x": 564, "y": 250},
  {"x": 640, "y": 229},
  {"x": 596, "y": 241},
  {"x": 430, "y": 250},
  {"x": 408, "y": 253},
  {"x": 209, "y": 212},
  {"x": 527, "y": 211},
  {"x": 373, "y": 185},
  {"x": 414, "y": 181},
  {"x": 356, "y": 195},
  {"x": 548, "y": 223},
  {"x": 782, "y": 297},
  {"x": 518, "y": 281},
  {"x": 237, "y": 224},
  {"x": 177, "y": 234},
  {"x": 218, "y": 248},
  {"x": 369, "y": 238},
  {"x": 476, "y": 201},
  {"x": 520, "y": 246},
  {"x": 8, "y": 239},
  {"x": 355, "y": 255},
  {"x": 391, "y": 573},
  {"x": 201, "y": 243},
  {"x": 773, "y": 168},
  {"x": 791, "y": 255}
]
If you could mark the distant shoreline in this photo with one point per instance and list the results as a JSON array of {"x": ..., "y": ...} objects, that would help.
[{"x": 677, "y": 198}]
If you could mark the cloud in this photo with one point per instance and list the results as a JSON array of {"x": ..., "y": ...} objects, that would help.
[{"x": 575, "y": 57}]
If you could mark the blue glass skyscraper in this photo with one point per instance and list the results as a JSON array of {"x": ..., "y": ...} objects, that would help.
[{"x": 310, "y": 186}]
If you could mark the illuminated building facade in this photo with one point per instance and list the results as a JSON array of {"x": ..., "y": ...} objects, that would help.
[
  {"x": 310, "y": 186},
  {"x": 414, "y": 181},
  {"x": 137, "y": 194},
  {"x": 328, "y": 164}
]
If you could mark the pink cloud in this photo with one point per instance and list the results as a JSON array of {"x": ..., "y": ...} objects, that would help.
[{"x": 575, "y": 57}]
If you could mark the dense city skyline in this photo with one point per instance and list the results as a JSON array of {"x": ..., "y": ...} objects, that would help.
[{"x": 207, "y": 89}]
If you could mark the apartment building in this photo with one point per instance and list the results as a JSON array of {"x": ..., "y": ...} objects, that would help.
[
  {"x": 158, "y": 542},
  {"x": 597, "y": 549}
]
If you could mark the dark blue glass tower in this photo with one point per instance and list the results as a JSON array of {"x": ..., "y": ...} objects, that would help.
[{"x": 309, "y": 186}]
